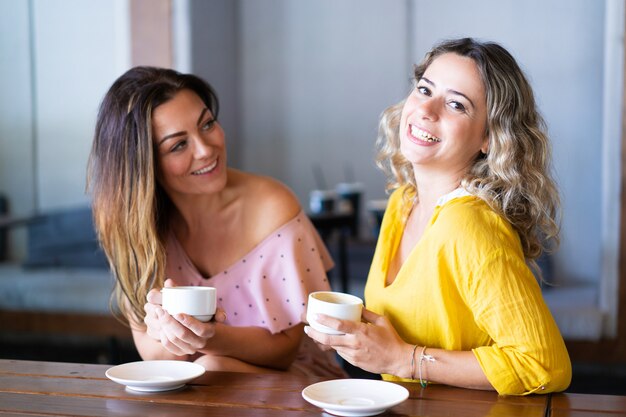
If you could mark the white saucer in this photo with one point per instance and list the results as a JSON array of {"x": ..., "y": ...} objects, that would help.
[
  {"x": 154, "y": 376},
  {"x": 355, "y": 397}
]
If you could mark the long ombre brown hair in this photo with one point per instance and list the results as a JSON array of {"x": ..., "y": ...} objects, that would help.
[
  {"x": 130, "y": 208},
  {"x": 514, "y": 176}
]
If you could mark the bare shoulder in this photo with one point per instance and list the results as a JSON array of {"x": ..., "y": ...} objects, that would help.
[{"x": 268, "y": 202}]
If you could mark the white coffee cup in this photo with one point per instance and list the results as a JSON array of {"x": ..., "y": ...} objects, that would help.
[
  {"x": 334, "y": 304},
  {"x": 198, "y": 302}
]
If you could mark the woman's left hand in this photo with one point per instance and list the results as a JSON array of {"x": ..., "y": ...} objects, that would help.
[
  {"x": 372, "y": 345},
  {"x": 183, "y": 334}
]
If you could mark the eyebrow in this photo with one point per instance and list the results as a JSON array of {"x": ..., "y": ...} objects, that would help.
[
  {"x": 450, "y": 90},
  {"x": 202, "y": 116},
  {"x": 182, "y": 132}
]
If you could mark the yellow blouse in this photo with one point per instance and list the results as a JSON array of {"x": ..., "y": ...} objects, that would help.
[{"x": 466, "y": 286}]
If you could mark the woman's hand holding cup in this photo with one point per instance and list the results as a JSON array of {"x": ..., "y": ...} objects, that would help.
[
  {"x": 341, "y": 306},
  {"x": 199, "y": 302},
  {"x": 179, "y": 317}
]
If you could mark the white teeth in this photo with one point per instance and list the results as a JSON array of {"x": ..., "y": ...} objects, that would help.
[
  {"x": 205, "y": 170},
  {"x": 419, "y": 133}
]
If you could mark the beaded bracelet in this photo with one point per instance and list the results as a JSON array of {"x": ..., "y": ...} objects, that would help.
[
  {"x": 423, "y": 357},
  {"x": 413, "y": 362}
]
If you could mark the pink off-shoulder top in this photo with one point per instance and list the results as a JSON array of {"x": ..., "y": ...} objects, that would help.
[{"x": 269, "y": 286}]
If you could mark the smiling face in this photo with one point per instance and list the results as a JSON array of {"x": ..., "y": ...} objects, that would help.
[
  {"x": 190, "y": 146},
  {"x": 444, "y": 119}
]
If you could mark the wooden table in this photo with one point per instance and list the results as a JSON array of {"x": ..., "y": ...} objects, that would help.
[
  {"x": 30, "y": 388},
  {"x": 587, "y": 405}
]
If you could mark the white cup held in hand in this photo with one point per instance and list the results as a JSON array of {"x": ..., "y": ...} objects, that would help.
[
  {"x": 198, "y": 302},
  {"x": 335, "y": 304}
]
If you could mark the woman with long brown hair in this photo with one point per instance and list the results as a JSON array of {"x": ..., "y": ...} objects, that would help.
[{"x": 169, "y": 211}]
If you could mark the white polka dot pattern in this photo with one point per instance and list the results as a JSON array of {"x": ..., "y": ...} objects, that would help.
[{"x": 269, "y": 286}]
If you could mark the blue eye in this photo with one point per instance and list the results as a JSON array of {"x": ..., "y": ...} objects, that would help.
[
  {"x": 424, "y": 90},
  {"x": 457, "y": 106}
]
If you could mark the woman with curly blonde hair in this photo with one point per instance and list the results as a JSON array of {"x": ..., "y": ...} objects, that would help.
[
  {"x": 451, "y": 297},
  {"x": 169, "y": 211}
]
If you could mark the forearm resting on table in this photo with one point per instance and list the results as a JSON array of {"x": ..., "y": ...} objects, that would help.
[
  {"x": 151, "y": 349},
  {"x": 256, "y": 345},
  {"x": 458, "y": 368}
]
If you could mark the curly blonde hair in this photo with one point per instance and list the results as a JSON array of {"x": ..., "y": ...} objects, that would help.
[
  {"x": 514, "y": 176},
  {"x": 130, "y": 208}
]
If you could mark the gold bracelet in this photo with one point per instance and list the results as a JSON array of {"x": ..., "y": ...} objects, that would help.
[
  {"x": 413, "y": 362},
  {"x": 423, "y": 357}
]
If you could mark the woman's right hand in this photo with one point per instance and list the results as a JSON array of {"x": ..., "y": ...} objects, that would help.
[
  {"x": 180, "y": 334},
  {"x": 153, "y": 309},
  {"x": 373, "y": 344}
]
